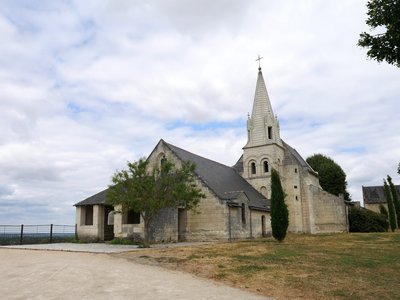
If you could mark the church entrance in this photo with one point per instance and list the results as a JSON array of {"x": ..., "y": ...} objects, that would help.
[
  {"x": 182, "y": 223},
  {"x": 108, "y": 228}
]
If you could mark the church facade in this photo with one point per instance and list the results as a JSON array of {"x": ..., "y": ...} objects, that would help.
[{"x": 237, "y": 202}]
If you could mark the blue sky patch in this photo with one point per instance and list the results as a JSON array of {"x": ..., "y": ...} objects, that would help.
[
  {"x": 75, "y": 108},
  {"x": 214, "y": 125},
  {"x": 352, "y": 150}
]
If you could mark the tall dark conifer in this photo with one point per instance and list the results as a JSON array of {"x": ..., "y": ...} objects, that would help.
[
  {"x": 392, "y": 212},
  {"x": 279, "y": 210},
  {"x": 395, "y": 198}
]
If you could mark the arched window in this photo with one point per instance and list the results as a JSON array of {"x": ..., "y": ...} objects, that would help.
[
  {"x": 163, "y": 160},
  {"x": 264, "y": 191},
  {"x": 270, "y": 132},
  {"x": 266, "y": 166},
  {"x": 253, "y": 168}
]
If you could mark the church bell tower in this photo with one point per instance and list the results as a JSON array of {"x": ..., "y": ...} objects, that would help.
[{"x": 264, "y": 149}]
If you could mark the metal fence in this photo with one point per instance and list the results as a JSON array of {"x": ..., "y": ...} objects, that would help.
[{"x": 36, "y": 234}]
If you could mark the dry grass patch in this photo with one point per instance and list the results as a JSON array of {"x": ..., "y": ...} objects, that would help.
[{"x": 336, "y": 266}]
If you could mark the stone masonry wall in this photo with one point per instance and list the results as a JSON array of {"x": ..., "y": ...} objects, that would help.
[
  {"x": 257, "y": 226},
  {"x": 90, "y": 232},
  {"x": 329, "y": 212},
  {"x": 375, "y": 207},
  {"x": 292, "y": 183},
  {"x": 207, "y": 222},
  {"x": 239, "y": 227},
  {"x": 164, "y": 228}
]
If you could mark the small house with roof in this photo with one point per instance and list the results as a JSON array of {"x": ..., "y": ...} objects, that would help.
[
  {"x": 237, "y": 202},
  {"x": 374, "y": 197}
]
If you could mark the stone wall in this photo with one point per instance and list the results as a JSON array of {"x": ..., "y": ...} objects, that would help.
[
  {"x": 164, "y": 228},
  {"x": 130, "y": 231},
  {"x": 292, "y": 183},
  {"x": 209, "y": 220},
  {"x": 375, "y": 206},
  {"x": 238, "y": 218},
  {"x": 273, "y": 154},
  {"x": 257, "y": 218},
  {"x": 329, "y": 212},
  {"x": 93, "y": 232}
]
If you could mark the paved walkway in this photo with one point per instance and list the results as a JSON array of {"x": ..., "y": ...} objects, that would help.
[
  {"x": 28, "y": 274},
  {"x": 94, "y": 247},
  {"x": 75, "y": 247}
]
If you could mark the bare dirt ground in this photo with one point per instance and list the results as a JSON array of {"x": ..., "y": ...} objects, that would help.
[{"x": 40, "y": 274}]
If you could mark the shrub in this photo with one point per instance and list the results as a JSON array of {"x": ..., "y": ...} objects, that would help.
[{"x": 364, "y": 220}]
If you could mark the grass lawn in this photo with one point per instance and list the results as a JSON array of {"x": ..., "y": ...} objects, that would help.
[{"x": 334, "y": 266}]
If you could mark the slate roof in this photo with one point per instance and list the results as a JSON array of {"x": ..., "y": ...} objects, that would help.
[
  {"x": 221, "y": 179},
  {"x": 99, "y": 198},
  {"x": 224, "y": 181},
  {"x": 375, "y": 194},
  {"x": 297, "y": 157},
  {"x": 239, "y": 165}
]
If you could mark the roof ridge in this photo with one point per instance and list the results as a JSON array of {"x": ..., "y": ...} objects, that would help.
[
  {"x": 293, "y": 150},
  {"x": 202, "y": 157}
]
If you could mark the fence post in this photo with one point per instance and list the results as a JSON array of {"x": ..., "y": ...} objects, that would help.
[
  {"x": 76, "y": 232},
  {"x": 22, "y": 233},
  {"x": 51, "y": 233}
]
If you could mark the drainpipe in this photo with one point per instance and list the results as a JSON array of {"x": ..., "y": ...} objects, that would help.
[
  {"x": 251, "y": 226},
  {"x": 229, "y": 223}
]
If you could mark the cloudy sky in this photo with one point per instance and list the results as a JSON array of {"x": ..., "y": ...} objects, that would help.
[{"x": 87, "y": 85}]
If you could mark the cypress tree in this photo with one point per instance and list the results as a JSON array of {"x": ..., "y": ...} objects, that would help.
[
  {"x": 392, "y": 212},
  {"x": 395, "y": 198},
  {"x": 279, "y": 210},
  {"x": 383, "y": 211}
]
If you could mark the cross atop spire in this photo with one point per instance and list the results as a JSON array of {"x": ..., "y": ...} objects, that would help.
[{"x": 259, "y": 61}]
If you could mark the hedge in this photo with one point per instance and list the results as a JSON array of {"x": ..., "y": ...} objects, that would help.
[{"x": 364, "y": 220}]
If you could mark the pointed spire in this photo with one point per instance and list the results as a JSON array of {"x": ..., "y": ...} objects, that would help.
[
  {"x": 262, "y": 126},
  {"x": 261, "y": 105}
]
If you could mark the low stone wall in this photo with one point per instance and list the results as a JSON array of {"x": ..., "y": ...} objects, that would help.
[{"x": 329, "y": 212}]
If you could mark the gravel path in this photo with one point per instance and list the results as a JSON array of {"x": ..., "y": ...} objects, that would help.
[{"x": 40, "y": 274}]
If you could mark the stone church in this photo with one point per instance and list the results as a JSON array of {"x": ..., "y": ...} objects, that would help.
[{"x": 237, "y": 203}]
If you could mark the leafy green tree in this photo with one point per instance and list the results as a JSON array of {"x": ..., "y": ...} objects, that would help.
[
  {"x": 398, "y": 169},
  {"x": 395, "y": 198},
  {"x": 383, "y": 15},
  {"x": 279, "y": 210},
  {"x": 149, "y": 190},
  {"x": 331, "y": 176},
  {"x": 391, "y": 209}
]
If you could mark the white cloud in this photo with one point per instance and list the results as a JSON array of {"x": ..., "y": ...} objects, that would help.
[{"x": 88, "y": 85}]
